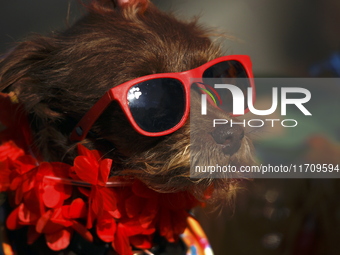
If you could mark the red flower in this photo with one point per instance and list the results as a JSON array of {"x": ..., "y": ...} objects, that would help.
[
  {"x": 53, "y": 193},
  {"x": 41, "y": 201},
  {"x": 10, "y": 150},
  {"x": 23, "y": 176},
  {"x": 90, "y": 168},
  {"x": 58, "y": 224},
  {"x": 121, "y": 243},
  {"x": 125, "y": 216},
  {"x": 8, "y": 153},
  {"x": 56, "y": 229},
  {"x": 106, "y": 227},
  {"x": 165, "y": 211}
]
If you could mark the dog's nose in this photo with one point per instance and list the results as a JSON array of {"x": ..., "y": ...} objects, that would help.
[{"x": 228, "y": 137}]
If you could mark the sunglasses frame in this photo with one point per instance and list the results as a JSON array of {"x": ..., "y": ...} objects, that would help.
[{"x": 119, "y": 93}]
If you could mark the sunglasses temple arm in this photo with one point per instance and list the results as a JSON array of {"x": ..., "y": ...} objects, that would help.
[{"x": 82, "y": 128}]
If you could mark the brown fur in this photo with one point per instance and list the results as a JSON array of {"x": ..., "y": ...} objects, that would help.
[{"x": 58, "y": 78}]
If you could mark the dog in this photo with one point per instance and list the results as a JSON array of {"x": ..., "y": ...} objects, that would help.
[{"x": 55, "y": 81}]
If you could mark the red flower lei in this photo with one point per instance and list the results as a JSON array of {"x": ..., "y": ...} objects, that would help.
[{"x": 56, "y": 199}]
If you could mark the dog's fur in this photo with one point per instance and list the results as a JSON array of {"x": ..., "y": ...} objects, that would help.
[{"x": 59, "y": 78}]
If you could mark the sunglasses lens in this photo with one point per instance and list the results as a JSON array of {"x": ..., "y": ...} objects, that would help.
[
  {"x": 227, "y": 72},
  {"x": 157, "y": 105}
]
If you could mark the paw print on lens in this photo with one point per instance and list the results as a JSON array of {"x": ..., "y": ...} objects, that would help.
[{"x": 134, "y": 93}]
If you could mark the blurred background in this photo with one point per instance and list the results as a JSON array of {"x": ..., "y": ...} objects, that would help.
[{"x": 285, "y": 38}]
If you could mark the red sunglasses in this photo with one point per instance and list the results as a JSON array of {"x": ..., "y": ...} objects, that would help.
[{"x": 158, "y": 104}]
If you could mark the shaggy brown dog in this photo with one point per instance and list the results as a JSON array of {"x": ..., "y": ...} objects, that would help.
[{"x": 59, "y": 78}]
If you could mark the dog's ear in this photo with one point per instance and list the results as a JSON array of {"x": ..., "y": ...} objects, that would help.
[
  {"x": 18, "y": 74},
  {"x": 12, "y": 67},
  {"x": 109, "y": 6}
]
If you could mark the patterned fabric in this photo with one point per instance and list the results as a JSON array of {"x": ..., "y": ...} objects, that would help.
[{"x": 195, "y": 238}]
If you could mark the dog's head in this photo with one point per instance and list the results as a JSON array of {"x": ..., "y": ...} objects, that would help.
[{"x": 59, "y": 78}]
